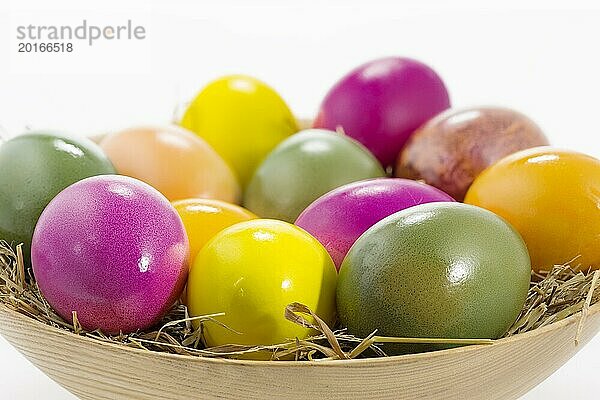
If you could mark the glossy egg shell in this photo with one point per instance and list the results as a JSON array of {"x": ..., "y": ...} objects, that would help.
[
  {"x": 204, "y": 218},
  {"x": 303, "y": 168},
  {"x": 339, "y": 217},
  {"x": 251, "y": 271},
  {"x": 35, "y": 167},
  {"x": 382, "y": 102},
  {"x": 551, "y": 196},
  {"x": 450, "y": 150},
  {"x": 442, "y": 270},
  {"x": 242, "y": 118},
  {"x": 173, "y": 160},
  {"x": 114, "y": 250}
]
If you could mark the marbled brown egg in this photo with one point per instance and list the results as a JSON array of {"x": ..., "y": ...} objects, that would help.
[{"x": 450, "y": 150}]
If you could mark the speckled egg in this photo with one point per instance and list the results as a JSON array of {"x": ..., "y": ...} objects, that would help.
[
  {"x": 304, "y": 167},
  {"x": 34, "y": 168},
  {"x": 442, "y": 270},
  {"x": 175, "y": 161},
  {"x": 339, "y": 217},
  {"x": 450, "y": 150},
  {"x": 114, "y": 250}
]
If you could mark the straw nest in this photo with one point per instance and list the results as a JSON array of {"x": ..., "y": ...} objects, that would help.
[{"x": 553, "y": 296}]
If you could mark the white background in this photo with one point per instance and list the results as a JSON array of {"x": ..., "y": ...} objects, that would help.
[{"x": 543, "y": 62}]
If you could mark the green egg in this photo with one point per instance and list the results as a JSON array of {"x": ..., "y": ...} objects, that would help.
[
  {"x": 304, "y": 167},
  {"x": 35, "y": 167},
  {"x": 437, "y": 270}
]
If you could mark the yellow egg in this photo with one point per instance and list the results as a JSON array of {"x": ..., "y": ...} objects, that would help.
[
  {"x": 204, "y": 218},
  {"x": 242, "y": 118},
  {"x": 251, "y": 271},
  {"x": 551, "y": 197},
  {"x": 173, "y": 160}
]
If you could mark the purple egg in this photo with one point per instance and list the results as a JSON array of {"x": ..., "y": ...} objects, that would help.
[
  {"x": 382, "y": 103},
  {"x": 113, "y": 249},
  {"x": 339, "y": 217}
]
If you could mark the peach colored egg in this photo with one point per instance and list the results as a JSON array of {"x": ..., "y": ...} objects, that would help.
[{"x": 173, "y": 160}]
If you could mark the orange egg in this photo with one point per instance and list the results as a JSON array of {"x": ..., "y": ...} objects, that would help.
[
  {"x": 173, "y": 160},
  {"x": 552, "y": 198},
  {"x": 204, "y": 218}
]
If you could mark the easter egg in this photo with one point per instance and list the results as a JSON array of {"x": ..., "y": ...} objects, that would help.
[
  {"x": 382, "y": 102},
  {"x": 242, "y": 118},
  {"x": 250, "y": 272},
  {"x": 437, "y": 270},
  {"x": 173, "y": 160},
  {"x": 304, "y": 167},
  {"x": 450, "y": 150},
  {"x": 35, "y": 167},
  {"x": 551, "y": 197},
  {"x": 339, "y": 217},
  {"x": 112, "y": 249},
  {"x": 204, "y": 218}
]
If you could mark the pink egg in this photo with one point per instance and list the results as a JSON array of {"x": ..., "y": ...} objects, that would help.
[
  {"x": 381, "y": 103},
  {"x": 339, "y": 217},
  {"x": 114, "y": 250}
]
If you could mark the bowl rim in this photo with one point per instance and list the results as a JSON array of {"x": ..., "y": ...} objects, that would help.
[{"x": 575, "y": 318}]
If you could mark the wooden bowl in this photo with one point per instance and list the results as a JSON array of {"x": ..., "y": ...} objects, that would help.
[{"x": 95, "y": 370}]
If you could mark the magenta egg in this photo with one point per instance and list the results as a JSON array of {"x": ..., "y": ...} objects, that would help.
[
  {"x": 382, "y": 103},
  {"x": 339, "y": 217},
  {"x": 114, "y": 250}
]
